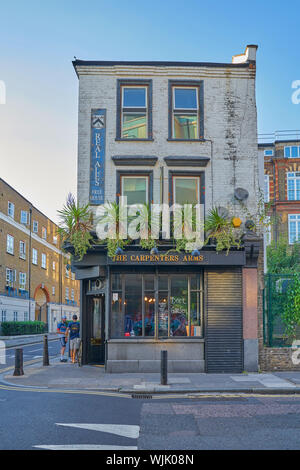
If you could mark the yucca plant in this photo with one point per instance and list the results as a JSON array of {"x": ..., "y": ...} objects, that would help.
[
  {"x": 181, "y": 225},
  {"x": 147, "y": 225},
  {"x": 76, "y": 224},
  {"x": 221, "y": 229},
  {"x": 115, "y": 220}
]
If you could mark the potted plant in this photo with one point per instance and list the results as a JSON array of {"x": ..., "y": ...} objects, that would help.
[
  {"x": 221, "y": 230},
  {"x": 76, "y": 224}
]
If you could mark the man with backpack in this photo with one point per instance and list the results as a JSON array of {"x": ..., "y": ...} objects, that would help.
[{"x": 74, "y": 332}]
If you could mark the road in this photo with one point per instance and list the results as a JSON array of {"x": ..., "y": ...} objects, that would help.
[
  {"x": 30, "y": 352},
  {"x": 34, "y": 420}
]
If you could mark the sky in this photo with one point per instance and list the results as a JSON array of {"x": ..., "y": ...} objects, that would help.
[{"x": 39, "y": 39}]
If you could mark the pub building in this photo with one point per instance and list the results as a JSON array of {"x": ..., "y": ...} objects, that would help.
[{"x": 170, "y": 132}]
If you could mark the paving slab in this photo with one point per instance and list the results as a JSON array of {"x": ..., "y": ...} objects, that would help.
[{"x": 69, "y": 376}]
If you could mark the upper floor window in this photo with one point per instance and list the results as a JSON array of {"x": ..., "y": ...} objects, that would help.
[
  {"x": 185, "y": 121},
  {"x": 67, "y": 272},
  {"x": 44, "y": 261},
  {"x": 10, "y": 276},
  {"x": 44, "y": 233},
  {"x": 269, "y": 153},
  {"x": 186, "y": 189},
  {"x": 292, "y": 151},
  {"x": 67, "y": 293},
  {"x": 134, "y": 117},
  {"x": 10, "y": 244},
  {"x": 267, "y": 188},
  {"x": 53, "y": 266},
  {"x": 24, "y": 217},
  {"x": 34, "y": 256},
  {"x": 11, "y": 209},
  {"x": 135, "y": 188},
  {"x": 35, "y": 226},
  {"x": 22, "y": 250},
  {"x": 22, "y": 280},
  {"x": 293, "y": 186},
  {"x": 294, "y": 228}
]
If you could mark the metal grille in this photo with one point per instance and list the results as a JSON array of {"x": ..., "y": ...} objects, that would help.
[{"x": 224, "y": 323}]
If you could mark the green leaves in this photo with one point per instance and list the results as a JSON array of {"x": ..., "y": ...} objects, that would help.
[
  {"x": 222, "y": 231},
  {"x": 283, "y": 257},
  {"x": 76, "y": 223},
  {"x": 291, "y": 313}
]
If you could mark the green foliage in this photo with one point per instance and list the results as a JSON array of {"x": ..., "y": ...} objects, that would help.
[
  {"x": 282, "y": 257},
  {"x": 221, "y": 229},
  {"x": 148, "y": 224},
  {"x": 291, "y": 313},
  {"x": 15, "y": 328},
  {"x": 261, "y": 217},
  {"x": 75, "y": 226},
  {"x": 115, "y": 220}
]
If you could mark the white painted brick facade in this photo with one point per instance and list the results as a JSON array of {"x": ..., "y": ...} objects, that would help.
[{"x": 230, "y": 122}]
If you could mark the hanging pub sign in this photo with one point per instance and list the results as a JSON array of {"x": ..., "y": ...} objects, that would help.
[{"x": 97, "y": 168}]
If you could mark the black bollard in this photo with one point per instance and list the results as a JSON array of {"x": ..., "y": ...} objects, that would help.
[
  {"x": 164, "y": 368},
  {"x": 45, "y": 352},
  {"x": 19, "y": 362}
]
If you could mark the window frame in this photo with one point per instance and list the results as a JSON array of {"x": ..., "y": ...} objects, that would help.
[
  {"x": 137, "y": 83},
  {"x": 186, "y": 174},
  {"x": 156, "y": 292},
  {"x": 44, "y": 233},
  {"x": 22, "y": 213},
  {"x": 22, "y": 285},
  {"x": 270, "y": 154},
  {"x": 11, "y": 238},
  {"x": 199, "y": 85},
  {"x": 297, "y": 220},
  {"x": 135, "y": 173},
  {"x": 11, "y": 279},
  {"x": 37, "y": 226},
  {"x": 294, "y": 179},
  {"x": 178, "y": 177},
  {"x": 44, "y": 261},
  {"x": 10, "y": 205},
  {"x": 290, "y": 151},
  {"x": 34, "y": 258},
  {"x": 22, "y": 253}
]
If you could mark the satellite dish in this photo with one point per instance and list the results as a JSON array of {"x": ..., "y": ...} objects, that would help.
[{"x": 241, "y": 194}]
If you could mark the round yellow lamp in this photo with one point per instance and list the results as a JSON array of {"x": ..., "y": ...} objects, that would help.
[{"x": 236, "y": 222}]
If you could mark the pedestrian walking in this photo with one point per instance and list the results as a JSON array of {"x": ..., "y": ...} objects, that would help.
[
  {"x": 63, "y": 332},
  {"x": 74, "y": 329}
]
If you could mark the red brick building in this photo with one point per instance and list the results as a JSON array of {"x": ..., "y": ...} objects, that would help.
[{"x": 282, "y": 185}]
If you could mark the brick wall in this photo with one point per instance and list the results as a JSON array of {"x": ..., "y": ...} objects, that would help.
[
  {"x": 229, "y": 121},
  {"x": 272, "y": 359}
]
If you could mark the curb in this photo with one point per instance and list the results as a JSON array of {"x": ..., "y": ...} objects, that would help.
[{"x": 262, "y": 391}]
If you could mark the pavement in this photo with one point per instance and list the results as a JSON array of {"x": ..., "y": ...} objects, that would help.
[
  {"x": 23, "y": 340},
  {"x": 68, "y": 376}
]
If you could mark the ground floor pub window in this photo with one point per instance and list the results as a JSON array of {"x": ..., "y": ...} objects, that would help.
[{"x": 156, "y": 305}]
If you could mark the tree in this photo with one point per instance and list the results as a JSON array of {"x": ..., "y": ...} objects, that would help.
[{"x": 283, "y": 258}]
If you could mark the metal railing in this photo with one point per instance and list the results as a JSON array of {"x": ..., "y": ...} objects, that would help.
[
  {"x": 11, "y": 291},
  {"x": 275, "y": 297},
  {"x": 271, "y": 137}
]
